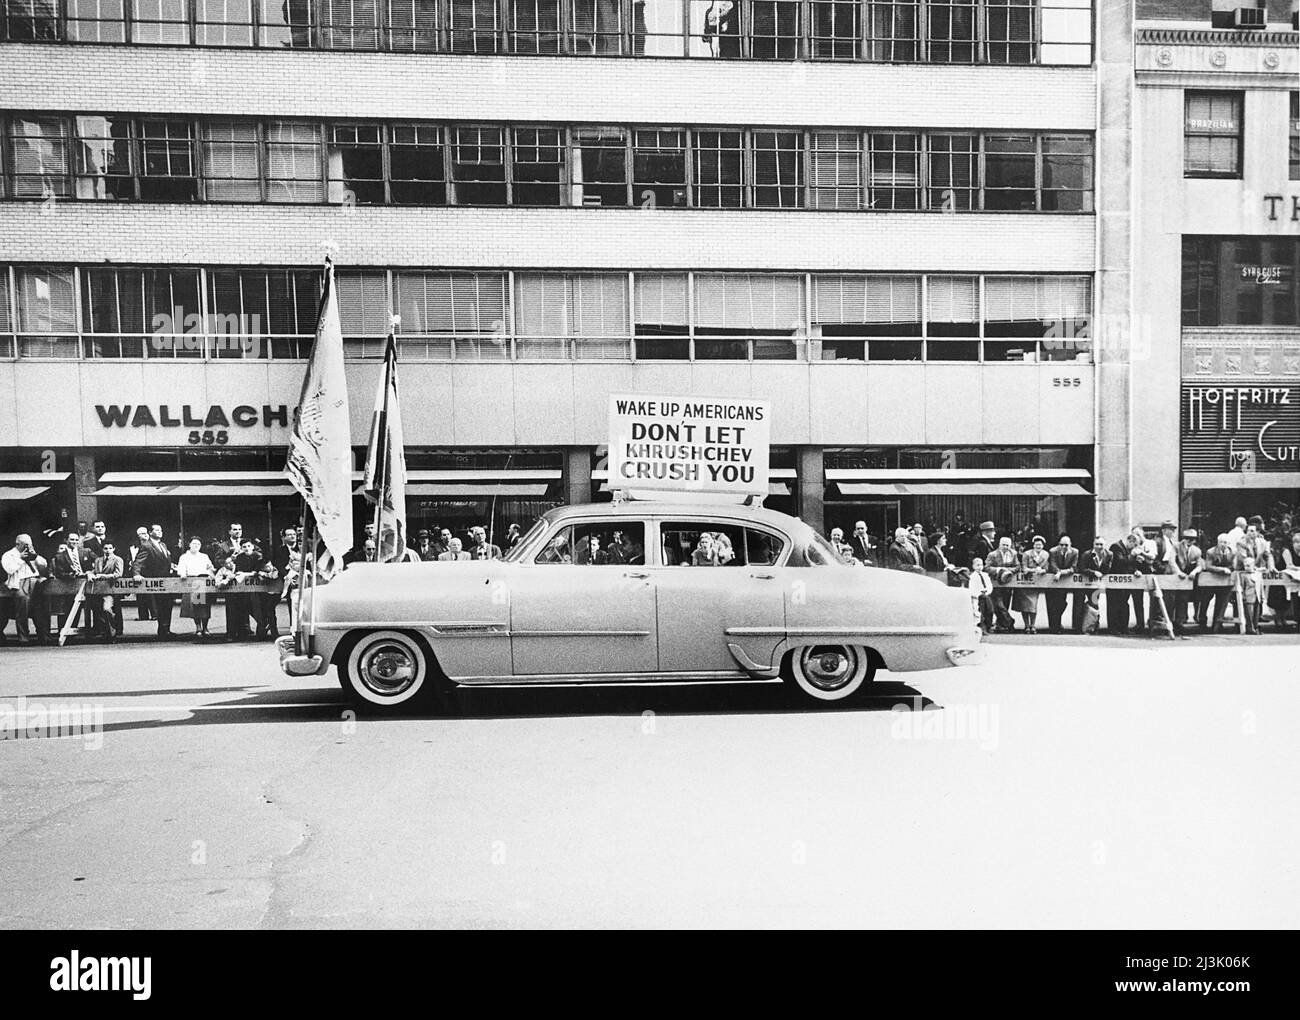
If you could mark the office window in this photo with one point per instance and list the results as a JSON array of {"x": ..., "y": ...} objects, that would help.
[
  {"x": 716, "y": 28},
  {"x": 415, "y": 167},
  {"x": 223, "y": 22},
  {"x": 895, "y": 30},
  {"x": 775, "y": 29},
  {"x": 286, "y": 23},
  {"x": 172, "y": 317},
  {"x": 230, "y": 162},
  {"x": 474, "y": 26},
  {"x": 952, "y": 312},
  {"x": 413, "y": 25},
  {"x": 293, "y": 162},
  {"x": 101, "y": 21},
  {"x": 1022, "y": 312},
  {"x": 47, "y": 313},
  {"x": 1293, "y": 159},
  {"x": 835, "y": 29},
  {"x": 541, "y": 306},
  {"x": 600, "y": 166},
  {"x": 659, "y": 167},
  {"x": 734, "y": 309},
  {"x": 535, "y": 26},
  {"x": 895, "y": 170},
  {"x": 719, "y": 169},
  {"x": 586, "y": 313},
  {"x": 104, "y": 158},
  {"x": 8, "y": 346},
  {"x": 167, "y": 172},
  {"x": 658, "y": 29},
  {"x": 954, "y": 179},
  {"x": 349, "y": 24},
  {"x": 30, "y": 21},
  {"x": 1212, "y": 134},
  {"x": 872, "y": 317},
  {"x": 453, "y": 315},
  {"x": 1009, "y": 172},
  {"x": 662, "y": 325},
  {"x": 1010, "y": 31},
  {"x": 1241, "y": 281},
  {"x": 363, "y": 312},
  {"x": 478, "y": 168},
  {"x": 38, "y": 157},
  {"x": 112, "y": 312},
  {"x": 951, "y": 30},
  {"x": 598, "y": 25},
  {"x": 1067, "y": 173},
  {"x": 161, "y": 22},
  {"x": 778, "y": 169},
  {"x": 1066, "y": 31},
  {"x": 538, "y": 170},
  {"x": 835, "y": 174},
  {"x": 356, "y": 164},
  {"x": 275, "y": 307}
]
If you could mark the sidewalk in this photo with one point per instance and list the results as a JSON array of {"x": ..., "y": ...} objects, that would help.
[{"x": 135, "y": 630}]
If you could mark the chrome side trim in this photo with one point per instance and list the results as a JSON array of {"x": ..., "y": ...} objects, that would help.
[
  {"x": 450, "y": 629},
  {"x": 580, "y": 633},
  {"x": 749, "y": 665},
  {"x": 601, "y": 678},
  {"x": 837, "y": 631}
]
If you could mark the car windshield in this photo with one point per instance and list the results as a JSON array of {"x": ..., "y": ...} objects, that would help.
[
  {"x": 821, "y": 553},
  {"x": 518, "y": 548}
]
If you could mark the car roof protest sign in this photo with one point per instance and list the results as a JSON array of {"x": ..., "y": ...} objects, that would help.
[{"x": 663, "y": 444}]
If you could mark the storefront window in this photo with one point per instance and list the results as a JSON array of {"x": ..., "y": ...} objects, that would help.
[{"x": 1242, "y": 281}]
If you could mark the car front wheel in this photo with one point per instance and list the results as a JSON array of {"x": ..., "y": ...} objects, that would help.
[
  {"x": 387, "y": 668},
  {"x": 829, "y": 672}
]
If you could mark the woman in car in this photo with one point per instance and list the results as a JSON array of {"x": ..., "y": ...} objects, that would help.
[{"x": 704, "y": 555}]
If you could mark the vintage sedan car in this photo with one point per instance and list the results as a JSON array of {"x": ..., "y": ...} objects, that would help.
[{"x": 632, "y": 592}]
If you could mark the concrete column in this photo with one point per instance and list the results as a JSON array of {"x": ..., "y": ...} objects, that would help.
[
  {"x": 1113, "y": 321},
  {"x": 86, "y": 480},
  {"x": 577, "y": 473},
  {"x": 809, "y": 466}
]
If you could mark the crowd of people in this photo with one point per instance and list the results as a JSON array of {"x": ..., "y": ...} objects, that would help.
[
  {"x": 986, "y": 561},
  {"x": 39, "y": 611}
]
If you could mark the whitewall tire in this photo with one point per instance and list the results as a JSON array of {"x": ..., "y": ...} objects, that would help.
[
  {"x": 386, "y": 668},
  {"x": 829, "y": 672}
]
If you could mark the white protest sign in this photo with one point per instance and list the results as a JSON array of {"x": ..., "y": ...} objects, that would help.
[{"x": 689, "y": 444}]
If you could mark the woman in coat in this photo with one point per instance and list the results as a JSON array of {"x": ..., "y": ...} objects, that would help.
[
  {"x": 1025, "y": 601},
  {"x": 196, "y": 604}
]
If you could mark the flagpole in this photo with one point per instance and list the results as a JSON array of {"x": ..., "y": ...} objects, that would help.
[{"x": 385, "y": 460}]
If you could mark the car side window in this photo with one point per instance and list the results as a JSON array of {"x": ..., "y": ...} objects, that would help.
[
  {"x": 761, "y": 548},
  {"x": 597, "y": 544},
  {"x": 699, "y": 544}
]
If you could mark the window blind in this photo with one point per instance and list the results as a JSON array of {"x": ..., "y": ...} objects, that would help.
[
  {"x": 661, "y": 299},
  {"x": 745, "y": 301},
  {"x": 952, "y": 299}
]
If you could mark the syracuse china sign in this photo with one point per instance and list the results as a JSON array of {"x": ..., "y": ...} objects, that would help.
[
  {"x": 689, "y": 444},
  {"x": 1241, "y": 428}
]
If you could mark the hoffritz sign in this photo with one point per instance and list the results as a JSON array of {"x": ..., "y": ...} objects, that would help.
[
  {"x": 689, "y": 444},
  {"x": 1240, "y": 428}
]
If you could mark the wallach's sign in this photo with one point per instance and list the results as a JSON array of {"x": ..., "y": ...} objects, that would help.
[
  {"x": 1240, "y": 428},
  {"x": 689, "y": 444},
  {"x": 168, "y": 416}
]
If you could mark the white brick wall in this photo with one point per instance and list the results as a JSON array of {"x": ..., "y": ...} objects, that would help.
[
  {"x": 546, "y": 238},
  {"x": 577, "y": 89}
]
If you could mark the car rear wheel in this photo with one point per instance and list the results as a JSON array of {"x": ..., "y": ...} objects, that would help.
[
  {"x": 829, "y": 672},
  {"x": 387, "y": 668}
]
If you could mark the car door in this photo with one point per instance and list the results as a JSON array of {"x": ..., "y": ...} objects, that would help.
[
  {"x": 585, "y": 606},
  {"x": 709, "y": 601}
]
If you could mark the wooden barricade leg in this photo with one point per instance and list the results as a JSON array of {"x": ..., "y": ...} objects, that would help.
[
  {"x": 70, "y": 621},
  {"x": 1164, "y": 609}
]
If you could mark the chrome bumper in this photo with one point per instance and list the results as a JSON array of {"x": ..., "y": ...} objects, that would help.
[{"x": 293, "y": 663}]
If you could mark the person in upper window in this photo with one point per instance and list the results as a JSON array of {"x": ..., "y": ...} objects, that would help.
[{"x": 722, "y": 28}]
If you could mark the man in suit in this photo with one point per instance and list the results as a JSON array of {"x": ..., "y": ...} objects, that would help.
[
  {"x": 902, "y": 553},
  {"x": 155, "y": 560},
  {"x": 982, "y": 544},
  {"x": 241, "y": 605},
  {"x": 1188, "y": 563},
  {"x": 861, "y": 544},
  {"x": 483, "y": 549},
  {"x": 108, "y": 614},
  {"x": 454, "y": 552},
  {"x": 1220, "y": 561},
  {"x": 916, "y": 535},
  {"x": 1095, "y": 564},
  {"x": 229, "y": 546},
  {"x": 93, "y": 544},
  {"x": 1002, "y": 564},
  {"x": 1125, "y": 558},
  {"x": 1063, "y": 561},
  {"x": 841, "y": 547},
  {"x": 70, "y": 564}
]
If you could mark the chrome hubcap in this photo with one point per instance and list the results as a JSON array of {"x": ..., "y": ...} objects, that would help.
[
  {"x": 387, "y": 669},
  {"x": 827, "y": 668}
]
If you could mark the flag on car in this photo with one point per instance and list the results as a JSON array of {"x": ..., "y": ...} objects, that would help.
[
  {"x": 385, "y": 480},
  {"x": 320, "y": 448}
]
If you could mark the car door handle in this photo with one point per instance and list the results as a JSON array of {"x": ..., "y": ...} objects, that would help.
[
  {"x": 635, "y": 573},
  {"x": 763, "y": 577}
]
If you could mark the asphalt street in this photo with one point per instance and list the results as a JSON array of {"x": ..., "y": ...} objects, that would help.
[{"x": 1104, "y": 782}]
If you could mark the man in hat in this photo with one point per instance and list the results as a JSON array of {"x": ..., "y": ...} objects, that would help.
[
  {"x": 984, "y": 543},
  {"x": 1164, "y": 555},
  {"x": 1189, "y": 562}
]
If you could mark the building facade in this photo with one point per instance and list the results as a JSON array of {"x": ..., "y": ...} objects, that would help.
[
  {"x": 906, "y": 224},
  {"x": 1217, "y": 372}
]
